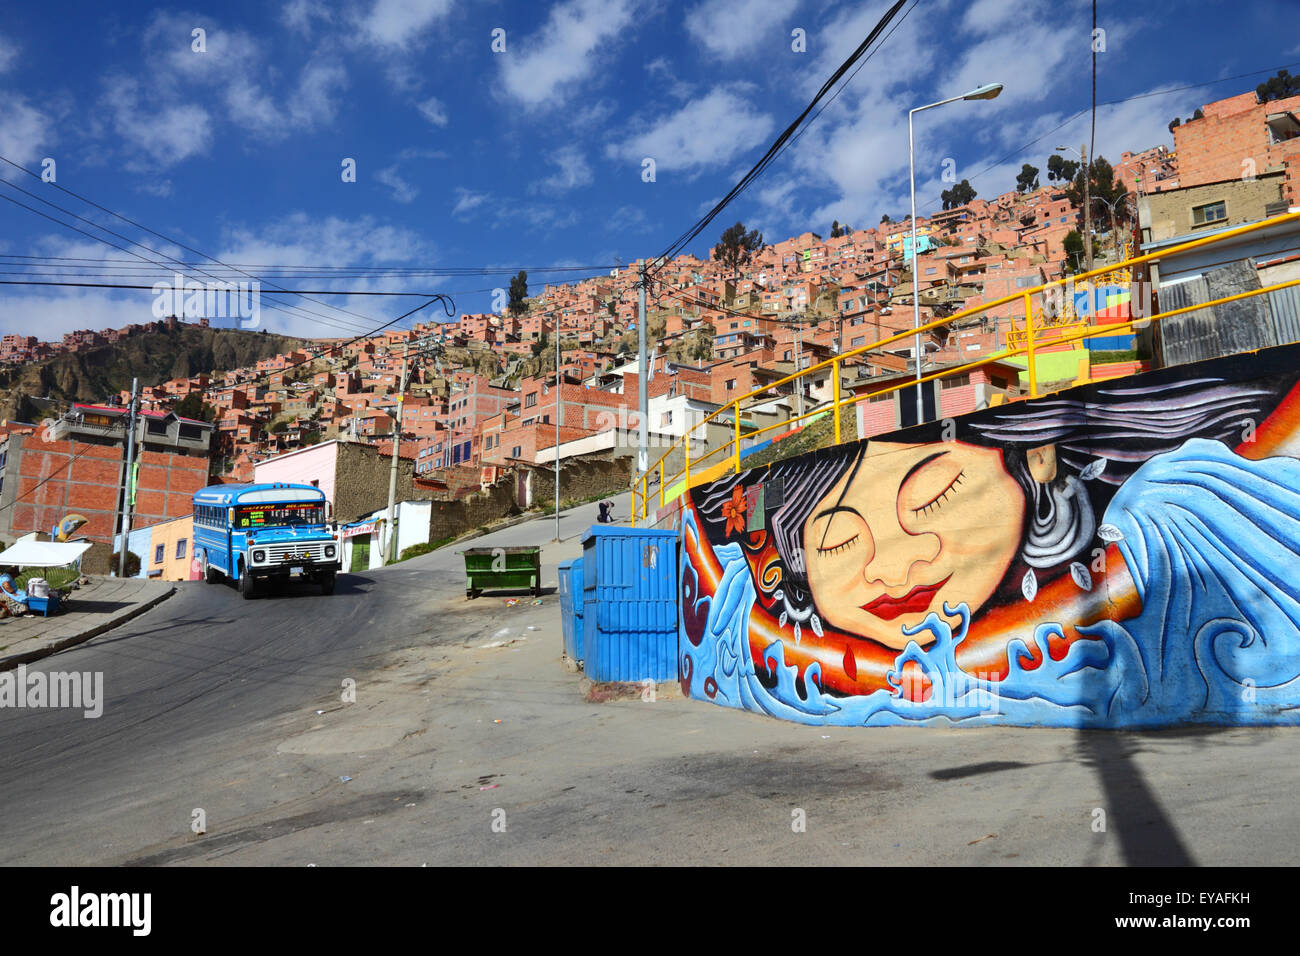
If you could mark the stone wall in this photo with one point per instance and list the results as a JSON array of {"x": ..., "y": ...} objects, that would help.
[
  {"x": 361, "y": 481},
  {"x": 581, "y": 478},
  {"x": 449, "y": 519}
]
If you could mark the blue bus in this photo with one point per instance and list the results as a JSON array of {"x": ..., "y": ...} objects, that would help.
[{"x": 255, "y": 534}]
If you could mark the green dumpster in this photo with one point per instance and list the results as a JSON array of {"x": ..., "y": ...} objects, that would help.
[{"x": 502, "y": 568}]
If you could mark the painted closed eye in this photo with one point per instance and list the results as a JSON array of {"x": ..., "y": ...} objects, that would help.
[
  {"x": 937, "y": 501},
  {"x": 842, "y": 546}
]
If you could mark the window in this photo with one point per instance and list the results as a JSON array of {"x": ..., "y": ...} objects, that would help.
[
  {"x": 955, "y": 381},
  {"x": 530, "y": 400},
  {"x": 180, "y": 547},
  {"x": 516, "y": 451},
  {"x": 1210, "y": 212},
  {"x": 730, "y": 384},
  {"x": 158, "y": 554}
]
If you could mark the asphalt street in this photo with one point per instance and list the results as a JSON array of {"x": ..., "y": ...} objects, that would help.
[{"x": 469, "y": 742}]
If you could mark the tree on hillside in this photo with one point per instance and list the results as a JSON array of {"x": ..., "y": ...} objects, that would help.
[
  {"x": 1278, "y": 87},
  {"x": 1027, "y": 181},
  {"x": 1073, "y": 245},
  {"x": 737, "y": 247},
  {"x": 518, "y": 293},
  {"x": 958, "y": 196},
  {"x": 1103, "y": 185},
  {"x": 540, "y": 345},
  {"x": 885, "y": 218},
  {"x": 1058, "y": 167},
  {"x": 836, "y": 232},
  {"x": 193, "y": 406}
]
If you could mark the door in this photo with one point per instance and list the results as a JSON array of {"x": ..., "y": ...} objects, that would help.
[{"x": 360, "y": 554}]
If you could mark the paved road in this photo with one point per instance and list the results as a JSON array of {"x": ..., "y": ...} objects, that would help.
[{"x": 468, "y": 742}]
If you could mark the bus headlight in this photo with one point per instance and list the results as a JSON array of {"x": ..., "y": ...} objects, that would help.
[
  {"x": 259, "y": 557},
  {"x": 329, "y": 550}
]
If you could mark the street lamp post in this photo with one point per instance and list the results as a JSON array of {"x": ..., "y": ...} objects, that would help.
[
  {"x": 987, "y": 92},
  {"x": 1082, "y": 153}
]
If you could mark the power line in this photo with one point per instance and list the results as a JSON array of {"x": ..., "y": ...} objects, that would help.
[
  {"x": 368, "y": 270},
  {"x": 687, "y": 237},
  {"x": 132, "y": 222},
  {"x": 1126, "y": 99},
  {"x": 107, "y": 242},
  {"x": 109, "y": 285}
]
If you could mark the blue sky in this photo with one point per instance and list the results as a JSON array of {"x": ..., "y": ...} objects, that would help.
[{"x": 534, "y": 156}]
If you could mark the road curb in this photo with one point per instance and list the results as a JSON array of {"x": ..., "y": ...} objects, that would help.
[{"x": 27, "y": 657}]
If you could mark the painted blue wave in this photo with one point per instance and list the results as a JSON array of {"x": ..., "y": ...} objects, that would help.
[{"x": 1212, "y": 541}]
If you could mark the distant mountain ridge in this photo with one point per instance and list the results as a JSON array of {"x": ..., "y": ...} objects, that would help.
[{"x": 154, "y": 357}]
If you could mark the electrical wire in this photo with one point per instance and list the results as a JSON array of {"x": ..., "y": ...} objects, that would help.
[{"x": 687, "y": 237}]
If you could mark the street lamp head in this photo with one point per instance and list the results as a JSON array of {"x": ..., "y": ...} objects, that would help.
[{"x": 989, "y": 91}]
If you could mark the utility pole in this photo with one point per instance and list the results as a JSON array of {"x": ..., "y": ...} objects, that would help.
[
  {"x": 798, "y": 362},
  {"x": 642, "y": 385},
  {"x": 559, "y": 410},
  {"x": 126, "y": 479},
  {"x": 1087, "y": 205},
  {"x": 392, "y": 474}
]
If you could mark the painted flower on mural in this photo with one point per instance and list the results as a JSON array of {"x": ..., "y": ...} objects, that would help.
[{"x": 735, "y": 511}]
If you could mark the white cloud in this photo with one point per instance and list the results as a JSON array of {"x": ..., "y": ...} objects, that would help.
[
  {"x": 25, "y": 132},
  {"x": 577, "y": 37},
  {"x": 433, "y": 110},
  {"x": 627, "y": 219},
  {"x": 735, "y": 28},
  {"x": 467, "y": 201},
  {"x": 403, "y": 191},
  {"x": 707, "y": 132},
  {"x": 302, "y": 16},
  {"x": 573, "y": 171},
  {"x": 8, "y": 54},
  {"x": 157, "y": 137},
  {"x": 167, "y": 108},
  {"x": 399, "y": 23}
]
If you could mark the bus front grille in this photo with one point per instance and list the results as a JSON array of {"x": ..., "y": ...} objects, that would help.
[{"x": 292, "y": 552}]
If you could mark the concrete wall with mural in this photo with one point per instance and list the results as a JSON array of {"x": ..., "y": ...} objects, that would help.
[{"x": 1120, "y": 554}]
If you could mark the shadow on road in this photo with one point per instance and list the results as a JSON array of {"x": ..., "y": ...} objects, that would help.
[
  {"x": 1147, "y": 836},
  {"x": 975, "y": 769}
]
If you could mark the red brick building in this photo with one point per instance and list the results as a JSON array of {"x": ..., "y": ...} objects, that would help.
[{"x": 79, "y": 470}]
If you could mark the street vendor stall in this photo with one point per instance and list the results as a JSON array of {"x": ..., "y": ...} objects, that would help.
[{"x": 36, "y": 554}]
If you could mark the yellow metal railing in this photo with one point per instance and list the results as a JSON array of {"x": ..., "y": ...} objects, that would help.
[{"x": 1027, "y": 342}]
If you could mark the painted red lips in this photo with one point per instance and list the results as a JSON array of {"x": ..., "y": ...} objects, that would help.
[{"x": 913, "y": 602}]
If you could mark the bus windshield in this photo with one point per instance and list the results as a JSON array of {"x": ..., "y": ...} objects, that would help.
[{"x": 279, "y": 515}]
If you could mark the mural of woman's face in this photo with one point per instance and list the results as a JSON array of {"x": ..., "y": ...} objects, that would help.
[{"x": 915, "y": 527}]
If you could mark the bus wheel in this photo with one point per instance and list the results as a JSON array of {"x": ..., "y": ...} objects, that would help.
[
  {"x": 209, "y": 575},
  {"x": 246, "y": 585},
  {"x": 327, "y": 582}
]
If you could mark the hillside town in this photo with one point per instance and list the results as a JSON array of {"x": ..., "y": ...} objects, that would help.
[{"x": 470, "y": 402}]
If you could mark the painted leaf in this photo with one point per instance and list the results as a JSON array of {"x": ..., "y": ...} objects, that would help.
[
  {"x": 796, "y": 632},
  {"x": 1108, "y": 532},
  {"x": 1081, "y": 576},
  {"x": 817, "y": 626},
  {"x": 781, "y": 623},
  {"x": 1093, "y": 469},
  {"x": 1029, "y": 585}
]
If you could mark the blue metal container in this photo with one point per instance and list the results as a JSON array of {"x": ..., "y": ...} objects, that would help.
[
  {"x": 565, "y": 570},
  {"x": 575, "y": 575},
  {"x": 571, "y": 607},
  {"x": 629, "y": 597}
]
